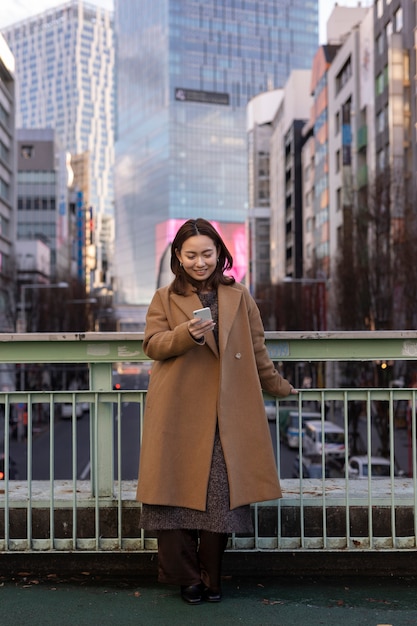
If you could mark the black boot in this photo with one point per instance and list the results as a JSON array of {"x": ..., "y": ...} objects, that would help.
[
  {"x": 211, "y": 550},
  {"x": 191, "y": 594},
  {"x": 212, "y": 595}
]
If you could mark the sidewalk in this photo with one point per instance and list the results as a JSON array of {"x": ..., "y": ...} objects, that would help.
[{"x": 251, "y": 601}]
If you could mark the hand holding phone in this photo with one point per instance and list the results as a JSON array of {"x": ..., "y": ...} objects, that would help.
[
  {"x": 203, "y": 314},
  {"x": 202, "y": 323}
]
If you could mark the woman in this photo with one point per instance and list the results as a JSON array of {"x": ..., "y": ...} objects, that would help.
[{"x": 207, "y": 451}]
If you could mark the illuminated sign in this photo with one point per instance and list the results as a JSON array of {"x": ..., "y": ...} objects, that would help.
[{"x": 207, "y": 97}]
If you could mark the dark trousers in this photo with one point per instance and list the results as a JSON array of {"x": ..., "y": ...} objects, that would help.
[{"x": 188, "y": 557}]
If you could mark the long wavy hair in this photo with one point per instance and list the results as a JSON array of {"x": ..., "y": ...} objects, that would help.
[{"x": 191, "y": 228}]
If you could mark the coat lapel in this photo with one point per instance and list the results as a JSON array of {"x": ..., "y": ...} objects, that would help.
[{"x": 229, "y": 301}]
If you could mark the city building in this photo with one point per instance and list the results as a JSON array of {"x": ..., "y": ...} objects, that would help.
[
  {"x": 65, "y": 81},
  {"x": 307, "y": 189},
  {"x": 350, "y": 126},
  {"x": 7, "y": 187},
  {"x": 185, "y": 73},
  {"x": 341, "y": 21},
  {"x": 286, "y": 177},
  {"x": 260, "y": 114},
  {"x": 43, "y": 179},
  {"x": 392, "y": 184}
]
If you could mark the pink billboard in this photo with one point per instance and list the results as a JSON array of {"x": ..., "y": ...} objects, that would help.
[{"x": 232, "y": 233}]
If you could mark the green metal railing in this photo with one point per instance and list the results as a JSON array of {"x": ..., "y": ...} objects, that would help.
[{"x": 97, "y": 511}]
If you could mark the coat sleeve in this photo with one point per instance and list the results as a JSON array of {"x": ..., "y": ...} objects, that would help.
[
  {"x": 271, "y": 380},
  {"x": 163, "y": 338}
]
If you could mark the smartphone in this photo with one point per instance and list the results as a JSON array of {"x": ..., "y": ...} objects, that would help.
[{"x": 204, "y": 314}]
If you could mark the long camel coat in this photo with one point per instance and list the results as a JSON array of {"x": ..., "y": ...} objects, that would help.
[{"x": 193, "y": 387}]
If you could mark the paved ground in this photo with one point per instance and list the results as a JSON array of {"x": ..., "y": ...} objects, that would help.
[{"x": 251, "y": 601}]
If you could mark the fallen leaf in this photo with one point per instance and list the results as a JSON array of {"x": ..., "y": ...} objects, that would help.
[
  {"x": 380, "y": 601},
  {"x": 271, "y": 602}
]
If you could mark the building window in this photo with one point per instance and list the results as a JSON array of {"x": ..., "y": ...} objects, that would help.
[
  {"x": 379, "y": 87},
  {"x": 338, "y": 161},
  {"x": 381, "y": 121},
  {"x": 381, "y": 160},
  {"x": 380, "y": 44},
  {"x": 337, "y": 123},
  {"x": 339, "y": 237},
  {"x": 339, "y": 199},
  {"x": 4, "y": 189},
  {"x": 27, "y": 152},
  {"x": 344, "y": 75},
  {"x": 398, "y": 20}
]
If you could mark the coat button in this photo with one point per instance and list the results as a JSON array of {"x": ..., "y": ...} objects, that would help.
[{"x": 238, "y": 355}]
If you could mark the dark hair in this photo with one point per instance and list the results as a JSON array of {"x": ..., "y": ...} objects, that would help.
[{"x": 191, "y": 228}]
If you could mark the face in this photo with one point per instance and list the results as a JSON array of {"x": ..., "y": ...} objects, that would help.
[{"x": 198, "y": 256}]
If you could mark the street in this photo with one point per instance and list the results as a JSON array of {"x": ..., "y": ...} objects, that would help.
[
  {"x": 130, "y": 436},
  {"x": 63, "y": 452}
]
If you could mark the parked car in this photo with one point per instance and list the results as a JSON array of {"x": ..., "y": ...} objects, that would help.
[
  {"x": 66, "y": 410},
  {"x": 312, "y": 467},
  {"x": 292, "y": 434},
  {"x": 270, "y": 410},
  {"x": 334, "y": 439},
  {"x": 358, "y": 467},
  {"x": 12, "y": 468}
]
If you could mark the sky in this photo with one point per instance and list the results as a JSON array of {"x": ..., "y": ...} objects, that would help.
[{"x": 12, "y": 11}]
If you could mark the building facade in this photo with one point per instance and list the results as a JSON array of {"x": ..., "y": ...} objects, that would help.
[
  {"x": 65, "y": 81},
  {"x": 43, "y": 176},
  {"x": 286, "y": 177},
  {"x": 392, "y": 185},
  {"x": 186, "y": 71},
  {"x": 260, "y": 114},
  {"x": 7, "y": 187}
]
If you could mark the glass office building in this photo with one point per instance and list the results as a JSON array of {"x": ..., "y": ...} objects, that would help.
[{"x": 185, "y": 72}]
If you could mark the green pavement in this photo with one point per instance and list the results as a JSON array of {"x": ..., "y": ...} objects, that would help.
[{"x": 261, "y": 601}]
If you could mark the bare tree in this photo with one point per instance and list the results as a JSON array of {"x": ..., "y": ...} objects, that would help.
[{"x": 376, "y": 271}]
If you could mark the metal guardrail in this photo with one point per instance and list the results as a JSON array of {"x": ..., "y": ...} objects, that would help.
[{"x": 97, "y": 511}]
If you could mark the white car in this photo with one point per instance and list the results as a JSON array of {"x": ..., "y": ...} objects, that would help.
[
  {"x": 66, "y": 410},
  {"x": 358, "y": 467}
]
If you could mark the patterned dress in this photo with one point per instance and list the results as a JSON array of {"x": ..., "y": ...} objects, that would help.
[{"x": 217, "y": 517}]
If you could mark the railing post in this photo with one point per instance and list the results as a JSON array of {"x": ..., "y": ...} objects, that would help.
[{"x": 102, "y": 437}]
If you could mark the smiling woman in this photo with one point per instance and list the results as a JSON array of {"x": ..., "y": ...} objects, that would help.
[{"x": 207, "y": 451}]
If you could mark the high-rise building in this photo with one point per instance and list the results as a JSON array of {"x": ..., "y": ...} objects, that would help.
[
  {"x": 286, "y": 178},
  {"x": 260, "y": 115},
  {"x": 185, "y": 73},
  {"x": 42, "y": 201},
  {"x": 65, "y": 81},
  {"x": 7, "y": 186}
]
